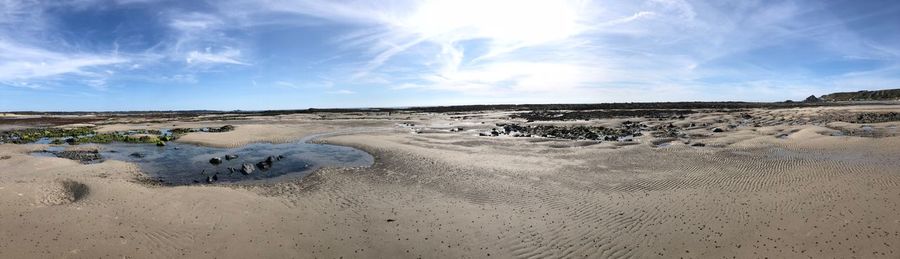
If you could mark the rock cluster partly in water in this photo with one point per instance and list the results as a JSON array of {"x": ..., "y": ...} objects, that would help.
[
  {"x": 80, "y": 135},
  {"x": 83, "y": 156},
  {"x": 246, "y": 168}
]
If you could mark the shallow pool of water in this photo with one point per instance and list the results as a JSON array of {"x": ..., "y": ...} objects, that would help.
[{"x": 179, "y": 164}]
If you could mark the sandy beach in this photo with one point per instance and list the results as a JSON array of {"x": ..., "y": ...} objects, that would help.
[{"x": 770, "y": 183}]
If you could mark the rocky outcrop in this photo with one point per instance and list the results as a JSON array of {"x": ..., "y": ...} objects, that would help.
[{"x": 878, "y": 95}]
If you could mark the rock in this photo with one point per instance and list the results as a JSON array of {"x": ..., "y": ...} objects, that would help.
[
  {"x": 160, "y": 144},
  {"x": 270, "y": 160},
  {"x": 247, "y": 168},
  {"x": 225, "y": 128},
  {"x": 209, "y": 179},
  {"x": 136, "y": 155},
  {"x": 83, "y": 156},
  {"x": 812, "y": 99},
  {"x": 215, "y": 160},
  {"x": 230, "y": 157},
  {"x": 231, "y": 170},
  {"x": 263, "y": 165},
  {"x": 698, "y": 145},
  {"x": 717, "y": 130}
]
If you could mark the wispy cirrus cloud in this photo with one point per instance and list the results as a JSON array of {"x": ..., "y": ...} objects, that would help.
[
  {"x": 23, "y": 64},
  {"x": 227, "y": 56}
]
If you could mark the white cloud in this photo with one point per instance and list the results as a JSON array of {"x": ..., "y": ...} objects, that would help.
[
  {"x": 22, "y": 63},
  {"x": 195, "y": 22},
  {"x": 286, "y": 84},
  {"x": 342, "y": 91},
  {"x": 393, "y": 28},
  {"x": 227, "y": 56}
]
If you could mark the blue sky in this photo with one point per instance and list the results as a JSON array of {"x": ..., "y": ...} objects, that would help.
[{"x": 283, "y": 54}]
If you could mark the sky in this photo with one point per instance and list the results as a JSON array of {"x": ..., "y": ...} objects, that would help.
[{"x": 106, "y": 55}]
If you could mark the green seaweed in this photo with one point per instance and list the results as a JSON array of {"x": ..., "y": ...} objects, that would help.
[{"x": 81, "y": 135}]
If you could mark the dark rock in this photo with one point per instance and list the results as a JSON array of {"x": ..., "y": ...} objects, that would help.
[
  {"x": 215, "y": 160},
  {"x": 136, "y": 155},
  {"x": 230, "y": 157},
  {"x": 263, "y": 165},
  {"x": 247, "y": 168},
  {"x": 812, "y": 99},
  {"x": 717, "y": 130},
  {"x": 698, "y": 145},
  {"x": 160, "y": 144},
  {"x": 83, "y": 156}
]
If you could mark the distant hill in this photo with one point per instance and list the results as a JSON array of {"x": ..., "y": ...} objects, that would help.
[{"x": 878, "y": 95}]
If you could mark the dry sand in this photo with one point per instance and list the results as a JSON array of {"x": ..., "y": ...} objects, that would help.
[{"x": 747, "y": 194}]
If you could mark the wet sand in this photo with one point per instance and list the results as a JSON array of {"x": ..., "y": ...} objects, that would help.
[{"x": 783, "y": 188}]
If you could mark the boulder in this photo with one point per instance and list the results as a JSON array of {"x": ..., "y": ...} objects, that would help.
[
  {"x": 263, "y": 165},
  {"x": 247, "y": 168},
  {"x": 717, "y": 130},
  {"x": 215, "y": 160},
  {"x": 230, "y": 157}
]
